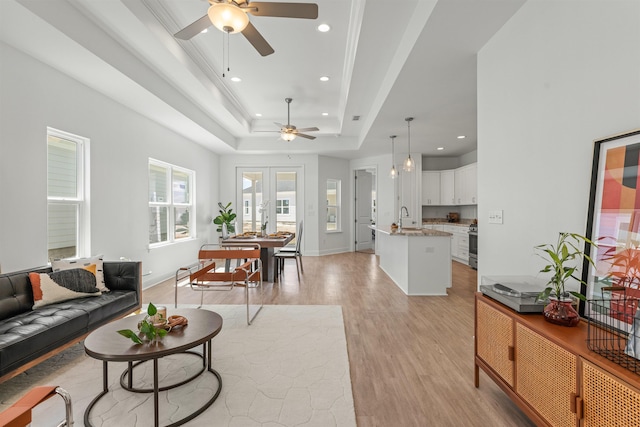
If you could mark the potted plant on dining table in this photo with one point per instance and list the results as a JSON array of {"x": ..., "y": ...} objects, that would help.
[{"x": 563, "y": 260}]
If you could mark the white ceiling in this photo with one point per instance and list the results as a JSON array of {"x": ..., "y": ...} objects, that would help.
[{"x": 386, "y": 60}]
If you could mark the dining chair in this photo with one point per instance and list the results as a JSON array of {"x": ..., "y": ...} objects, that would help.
[
  {"x": 19, "y": 414},
  {"x": 290, "y": 253},
  {"x": 214, "y": 272}
]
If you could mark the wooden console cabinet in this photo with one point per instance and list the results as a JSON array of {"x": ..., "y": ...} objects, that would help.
[{"x": 549, "y": 372}]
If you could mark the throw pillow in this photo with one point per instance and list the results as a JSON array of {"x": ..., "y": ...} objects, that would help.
[
  {"x": 62, "y": 286},
  {"x": 67, "y": 264}
]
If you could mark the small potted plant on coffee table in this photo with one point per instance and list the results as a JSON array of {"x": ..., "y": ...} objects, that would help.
[
  {"x": 151, "y": 328},
  {"x": 564, "y": 259}
]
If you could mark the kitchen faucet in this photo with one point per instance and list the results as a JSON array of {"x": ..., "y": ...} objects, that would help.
[{"x": 400, "y": 216}]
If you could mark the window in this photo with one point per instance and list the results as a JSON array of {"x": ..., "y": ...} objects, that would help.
[
  {"x": 246, "y": 207},
  {"x": 333, "y": 204},
  {"x": 68, "y": 230},
  {"x": 282, "y": 206},
  {"x": 171, "y": 203}
]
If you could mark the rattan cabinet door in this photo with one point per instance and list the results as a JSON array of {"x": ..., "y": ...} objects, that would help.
[
  {"x": 494, "y": 336},
  {"x": 546, "y": 377},
  {"x": 607, "y": 400}
]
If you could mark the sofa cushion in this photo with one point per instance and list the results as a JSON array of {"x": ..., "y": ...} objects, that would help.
[
  {"x": 97, "y": 260},
  {"x": 27, "y": 336},
  {"x": 62, "y": 286},
  {"x": 108, "y": 306}
]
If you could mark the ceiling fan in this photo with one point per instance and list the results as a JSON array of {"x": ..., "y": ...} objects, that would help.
[
  {"x": 289, "y": 132},
  {"x": 230, "y": 16}
]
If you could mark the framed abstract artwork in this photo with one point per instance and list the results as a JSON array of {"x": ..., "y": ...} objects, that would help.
[{"x": 613, "y": 224}]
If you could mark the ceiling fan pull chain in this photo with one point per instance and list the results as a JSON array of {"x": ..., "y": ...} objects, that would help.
[
  {"x": 223, "y": 52},
  {"x": 228, "y": 53}
]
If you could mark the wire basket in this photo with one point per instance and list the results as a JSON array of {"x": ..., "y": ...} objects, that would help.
[{"x": 614, "y": 328}]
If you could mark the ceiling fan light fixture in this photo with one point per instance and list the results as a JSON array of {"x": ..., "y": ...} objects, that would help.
[
  {"x": 288, "y": 136},
  {"x": 228, "y": 18}
]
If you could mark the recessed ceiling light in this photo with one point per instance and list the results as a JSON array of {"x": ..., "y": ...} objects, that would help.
[
  {"x": 323, "y": 28},
  {"x": 440, "y": 148},
  {"x": 205, "y": 30},
  {"x": 324, "y": 79},
  {"x": 461, "y": 137},
  {"x": 236, "y": 79},
  {"x": 325, "y": 114},
  {"x": 258, "y": 115}
]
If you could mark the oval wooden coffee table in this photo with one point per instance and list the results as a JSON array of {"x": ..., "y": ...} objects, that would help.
[{"x": 107, "y": 345}]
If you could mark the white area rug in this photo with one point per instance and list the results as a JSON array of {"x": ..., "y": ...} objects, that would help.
[{"x": 289, "y": 368}]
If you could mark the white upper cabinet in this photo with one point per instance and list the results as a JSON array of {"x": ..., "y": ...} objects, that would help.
[
  {"x": 450, "y": 187},
  {"x": 447, "y": 189},
  {"x": 473, "y": 183},
  {"x": 431, "y": 187},
  {"x": 466, "y": 187}
]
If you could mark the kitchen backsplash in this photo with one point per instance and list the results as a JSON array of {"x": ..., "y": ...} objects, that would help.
[{"x": 440, "y": 212}]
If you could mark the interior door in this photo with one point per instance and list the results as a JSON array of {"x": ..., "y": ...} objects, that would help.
[{"x": 364, "y": 210}]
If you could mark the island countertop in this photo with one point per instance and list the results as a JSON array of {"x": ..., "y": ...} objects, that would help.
[{"x": 412, "y": 232}]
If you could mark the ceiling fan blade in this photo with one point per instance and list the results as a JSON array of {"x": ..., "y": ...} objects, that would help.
[
  {"x": 256, "y": 39},
  {"x": 284, "y": 10},
  {"x": 194, "y": 28},
  {"x": 313, "y": 129},
  {"x": 305, "y": 136},
  {"x": 280, "y": 125}
]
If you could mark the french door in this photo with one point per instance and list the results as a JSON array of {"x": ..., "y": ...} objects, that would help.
[{"x": 268, "y": 198}]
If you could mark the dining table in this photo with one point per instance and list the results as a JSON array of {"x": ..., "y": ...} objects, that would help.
[{"x": 268, "y": 245}]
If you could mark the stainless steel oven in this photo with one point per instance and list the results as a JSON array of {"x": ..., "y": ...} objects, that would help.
[{"x": 473, "y": 246}]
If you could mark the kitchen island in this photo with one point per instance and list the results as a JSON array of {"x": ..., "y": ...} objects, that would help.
[{"x": 417, "y": 260}]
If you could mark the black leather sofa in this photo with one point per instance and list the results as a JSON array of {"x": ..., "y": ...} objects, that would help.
[{"x": 29, "y": 336}]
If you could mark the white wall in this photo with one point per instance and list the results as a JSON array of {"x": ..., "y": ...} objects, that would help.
[
  {"x": 34, "y": 96},
  {"x": 556, "y": 77},
  {"x": 334, "y": 168}
]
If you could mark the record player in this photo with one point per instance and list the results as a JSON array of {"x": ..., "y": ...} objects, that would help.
[{"x": 516, "y": 292}]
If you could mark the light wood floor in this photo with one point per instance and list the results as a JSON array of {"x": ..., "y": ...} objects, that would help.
[{"x": 411, "y": 358}]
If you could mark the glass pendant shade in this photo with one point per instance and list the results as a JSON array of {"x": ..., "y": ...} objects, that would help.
[
  {"x": 393, "y": 173},
  {"x": 288, "y": 136},
  {"x": 409, "y": 164},
  {"x": 227, "y": 17}
]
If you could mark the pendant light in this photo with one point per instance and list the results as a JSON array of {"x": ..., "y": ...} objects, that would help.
[
  {"x": 409, "y": 164},
  {"x": 393, "y": 173}
]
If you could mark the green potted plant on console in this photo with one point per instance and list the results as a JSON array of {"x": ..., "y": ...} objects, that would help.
[{"x": 563, "y": 260}]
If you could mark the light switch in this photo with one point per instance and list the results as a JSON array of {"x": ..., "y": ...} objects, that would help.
[{"x": 495, "y": 217}]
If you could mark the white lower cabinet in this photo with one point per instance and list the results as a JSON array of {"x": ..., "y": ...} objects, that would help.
[{"x": 459, "y": 242}]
